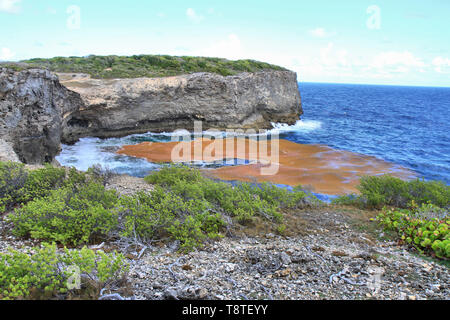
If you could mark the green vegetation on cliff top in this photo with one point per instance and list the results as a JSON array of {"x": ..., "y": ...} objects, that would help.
[{"x": 108, "y": 67}]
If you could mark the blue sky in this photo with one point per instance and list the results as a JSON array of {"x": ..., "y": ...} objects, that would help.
[{"x": 402, "y": 42}]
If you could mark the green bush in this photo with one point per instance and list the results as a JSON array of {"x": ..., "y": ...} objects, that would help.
[
  {"x": 147, "y": 65},
  {"x": 19, "y": 186},
  {"x": 70, "y": 215},
  {"x": 348, "y": 200},
  {"x": 13, "y": 177},
  {"x": 426, "y": 228},
  {"x": 242, "y": 201},
  {"x": 46, "y": 273},
  {"x": 40, "y": 182},
  {"x": 193, "y": 230},
  {"x": 161, "y": 214},
  {"x": 380, "y": 191}
]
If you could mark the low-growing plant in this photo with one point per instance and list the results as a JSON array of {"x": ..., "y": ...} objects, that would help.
[
  {"x": 13, "y": 177},
  {"x": 193, "y": 230},
  {"x": 162, "y": 214},
  {"x": 45, "y": 273},
  {"x": 19, "y": 186},
  {"x": 379, "y": 191},
  {"x": 70, "y": 215},
  {"x": 348, "y": 200},
  {"x": 243, "y": 200},
  {"x": 108, "y": 67},
  {"x": 40, "y": 182},
  {"x": 420, "y": 228}
]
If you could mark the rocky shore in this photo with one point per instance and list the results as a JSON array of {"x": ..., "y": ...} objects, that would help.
[{"x": 38, "y": 112}]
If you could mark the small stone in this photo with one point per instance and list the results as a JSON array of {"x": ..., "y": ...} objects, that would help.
[
  {"x": 285, "y": 259},
  {"x": 339, "y": 254},
  {"x": 284, "y": 273},
  {"x": 171, "y": 294},
  {"x": 202, "y": 293},
  {"x": 187, "y": 267},
  {"x": 230, "y": 267}
]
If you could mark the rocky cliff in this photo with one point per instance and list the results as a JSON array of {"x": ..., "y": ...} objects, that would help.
[
  {"x": 126, "y": 106},
  {"x": 34, "y": 109},
  {"x": 37, "y": 111}
]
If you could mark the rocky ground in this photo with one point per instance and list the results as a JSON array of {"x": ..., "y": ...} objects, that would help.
[
  {"x": 126, "y": 185},
  {"x": 337, "y": 264},
  {"x": 331, "y": 257}
]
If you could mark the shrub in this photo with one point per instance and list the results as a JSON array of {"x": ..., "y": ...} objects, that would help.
[
  {"x": 242, "y": 201},
  {"x": 169, "y": 176},
  {"x": 348, "y": 200},
  {"x": 426, "y": 228},
  {"x": 193, "y": 230},
  {"x": 19, "y": 186},
  {"x": 71, "y": 215},
  {"x": 41, "y": 181},
  {"x": 47, "y": 273},
  {"x": 380, "y": 191},
  {"x": 13, "y": 177},
  {"x": 160, "y": 214},
  {"x": 147, "y": 65}
]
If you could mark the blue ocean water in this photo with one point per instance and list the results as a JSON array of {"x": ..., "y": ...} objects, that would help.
[{"x": 409, "y": 126}]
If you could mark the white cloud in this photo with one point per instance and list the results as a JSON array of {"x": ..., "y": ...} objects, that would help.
[
  {"x": 441, "y": 65},
  {"x": 321, "y": 33},
  {"x": 229, "y": 48},
  {"x": 6, "y": 54},
  {"x": 394, "y": 59},
  {"x": 10, "y": 6},
  {"x": 318, "y": 32},
  {"x": 193, "y": 16}
]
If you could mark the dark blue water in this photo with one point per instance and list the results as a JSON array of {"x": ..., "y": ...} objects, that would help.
[{"x": 409, "y": 126}]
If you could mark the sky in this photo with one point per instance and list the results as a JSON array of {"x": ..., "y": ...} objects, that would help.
[{"x": 394, "y": 42}]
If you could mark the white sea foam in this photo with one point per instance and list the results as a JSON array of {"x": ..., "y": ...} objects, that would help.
[
  {"x": 299, "y": 126},
  {"x": 91, "y": 151}
]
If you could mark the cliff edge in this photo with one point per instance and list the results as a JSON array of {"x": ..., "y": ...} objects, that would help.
[
  {"x": 119, "y": 107},
  {"x": 39, "y": 110}
]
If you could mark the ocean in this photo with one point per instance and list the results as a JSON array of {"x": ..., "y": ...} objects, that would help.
[{"x": 408, "y": 126}]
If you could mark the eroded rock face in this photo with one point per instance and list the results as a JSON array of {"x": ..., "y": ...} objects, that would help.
[
  {"x": 34, "y": 108},
  {"x": 37, "y": 111},
  {"x": 127, "y": 106}
]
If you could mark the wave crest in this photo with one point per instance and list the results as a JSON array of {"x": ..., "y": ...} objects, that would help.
[{"x": 299, "y": 126}]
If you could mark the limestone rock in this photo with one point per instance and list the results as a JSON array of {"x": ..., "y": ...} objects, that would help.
[
  {"x": 33, "y": 109},
  {"x": 126, "y": 106}
]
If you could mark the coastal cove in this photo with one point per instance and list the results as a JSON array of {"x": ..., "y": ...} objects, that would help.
[
  {"x": 366, "y": 122},
  {"x": 224, "y": 159}
]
